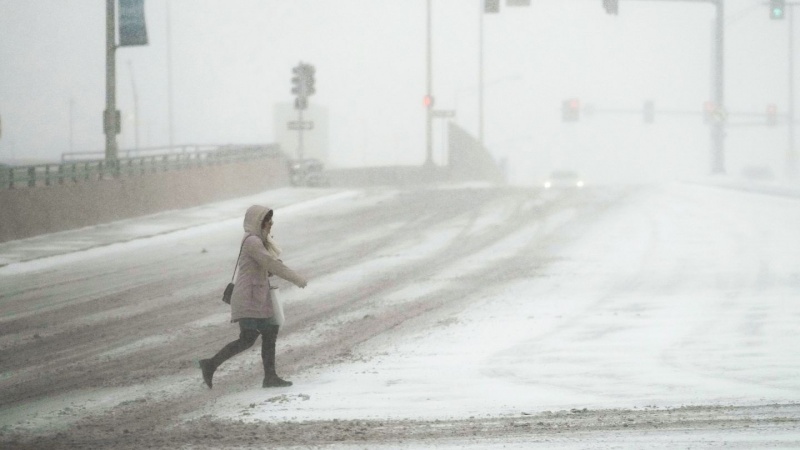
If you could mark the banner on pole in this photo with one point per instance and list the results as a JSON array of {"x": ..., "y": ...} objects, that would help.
[{"x": 132, "y": 29}]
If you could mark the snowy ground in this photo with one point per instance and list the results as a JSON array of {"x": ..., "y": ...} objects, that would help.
[{"x": 639, "y": 317}]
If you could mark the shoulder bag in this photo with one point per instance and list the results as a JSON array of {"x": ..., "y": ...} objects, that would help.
[{"x": 226, "y": 296}]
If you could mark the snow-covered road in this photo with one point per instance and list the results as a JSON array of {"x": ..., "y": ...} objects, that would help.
[{"x": 436, "y": 306}]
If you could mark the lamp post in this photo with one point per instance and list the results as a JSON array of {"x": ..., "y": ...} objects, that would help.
[
  {"x": 110, "y": 115},
  {"x": 170, "y": 122},
  {"x": 480, "y": 72},
  {"x": 429, "y": 95},
  {"x": 718, "y": 128},
  {"x": 791, "y": 155}
]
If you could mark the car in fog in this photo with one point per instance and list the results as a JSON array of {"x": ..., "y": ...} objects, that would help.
[
  {"x": 563, "y": 179},
  {"x": 308, "y": 172}
]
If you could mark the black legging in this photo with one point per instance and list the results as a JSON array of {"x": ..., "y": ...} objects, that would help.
[{"x": 247, "y": 338}]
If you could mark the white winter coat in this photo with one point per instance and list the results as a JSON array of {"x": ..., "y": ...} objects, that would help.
[{"x": 258, "y": 259}]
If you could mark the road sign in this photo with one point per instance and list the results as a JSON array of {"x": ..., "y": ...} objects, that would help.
[
  {"x": 132, "y": 27},
  {"x": 444, "y": 113},
  {"x": 297, "y": 125}
]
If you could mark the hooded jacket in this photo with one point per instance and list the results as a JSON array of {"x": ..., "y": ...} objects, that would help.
[{"x": 259, "y": 258}]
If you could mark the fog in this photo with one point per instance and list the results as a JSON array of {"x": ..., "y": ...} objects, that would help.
[{"x": 231, "y": 64}]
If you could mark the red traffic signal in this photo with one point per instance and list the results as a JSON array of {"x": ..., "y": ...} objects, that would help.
[{"x": 427, "y": 101}]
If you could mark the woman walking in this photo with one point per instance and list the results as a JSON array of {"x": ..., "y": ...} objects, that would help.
[{"x": 250, "y": 304}]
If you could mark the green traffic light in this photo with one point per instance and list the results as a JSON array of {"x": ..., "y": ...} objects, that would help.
[{"x": 777, "y": 9}]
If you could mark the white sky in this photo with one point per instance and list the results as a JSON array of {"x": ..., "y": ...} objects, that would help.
[{"x": 232, "y": 62}]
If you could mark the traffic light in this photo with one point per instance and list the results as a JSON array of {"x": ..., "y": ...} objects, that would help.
[
  {"x": 297, "y": 80},
  {"x": 611, "y": 6},
  {"x": 777, "y": 9},
  {"x": 570, "y": 110},
  {"x": 303, "y": 84},
  {"x": 491, "y": 6},
  {"x": 772, "y": 115},
  {"x": 649, "y": 111},
  {"x": 427, "y": 101},
  {"x": 309, "y": 79}
]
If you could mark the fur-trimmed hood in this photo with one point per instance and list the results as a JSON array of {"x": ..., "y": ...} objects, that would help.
[{"x": 252, "y": 225}]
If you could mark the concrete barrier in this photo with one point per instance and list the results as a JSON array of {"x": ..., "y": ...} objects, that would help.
[
  {"x": 391, "y": 176},
  {"x": 47, "y": 209}
]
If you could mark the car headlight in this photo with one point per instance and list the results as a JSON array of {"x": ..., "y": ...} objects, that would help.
[
  {"x": 547, "y": 185},
  {"x": 579, "y": 184}
]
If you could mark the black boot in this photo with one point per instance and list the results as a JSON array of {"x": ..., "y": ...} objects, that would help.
[
  {"x": 208, "y": 371},
  {"x": 209, "y": 366},
  {"x": 271, "y": 379},
  {"x": 275, "y": 381}
]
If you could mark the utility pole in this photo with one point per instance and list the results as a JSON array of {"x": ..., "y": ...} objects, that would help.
[{"x": 110, "y": 115}]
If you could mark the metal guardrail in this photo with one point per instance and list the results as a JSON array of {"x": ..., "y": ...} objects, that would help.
[
  {"x": 76, "y": 170},
  {"x": 147, "y": 151}
]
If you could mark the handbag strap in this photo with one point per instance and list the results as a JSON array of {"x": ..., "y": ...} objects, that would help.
[{"x": 238, "y": 257}]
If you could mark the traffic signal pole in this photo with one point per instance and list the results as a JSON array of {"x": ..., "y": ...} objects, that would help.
[
  {"x": 300, "y": 150},
  {"x": 778, "y": 10},
  {"x": 717, "y": 83},
  {"x": 718, "y": 127},
  {"x": 302, "y": 88},
  {"x": 429, "y": 88}
]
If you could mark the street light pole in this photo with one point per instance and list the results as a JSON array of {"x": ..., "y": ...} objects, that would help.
[
  {"x": 109, "y": 117},
  {"x": 429, "y": 88},
  {"x": 718, "y": 128},
  {"x": 480, "y": 72},
  {"x": 791, "y": 156},
  {"x": 170, "y": 122}
]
